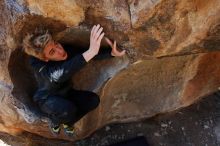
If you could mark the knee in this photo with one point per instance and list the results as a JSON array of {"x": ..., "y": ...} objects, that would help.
[{"x": 58, "y": 106}]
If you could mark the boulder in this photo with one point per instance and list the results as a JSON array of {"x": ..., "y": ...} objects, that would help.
[{"x": 172, "y": 58}]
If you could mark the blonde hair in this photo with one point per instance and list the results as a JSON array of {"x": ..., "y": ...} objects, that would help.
[{"x": 33, "y": 44}]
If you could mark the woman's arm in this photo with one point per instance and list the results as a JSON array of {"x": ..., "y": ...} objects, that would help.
[{"x": 103, "y": 53}]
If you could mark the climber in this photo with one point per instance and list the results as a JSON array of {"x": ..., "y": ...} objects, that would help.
[{"x": 53, "y": 65}]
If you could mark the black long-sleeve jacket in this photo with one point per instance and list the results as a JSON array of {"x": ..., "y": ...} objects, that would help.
[{"x": 55, "y": 76}]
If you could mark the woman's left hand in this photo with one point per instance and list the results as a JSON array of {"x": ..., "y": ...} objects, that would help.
[{"x": 115, "y": 51}]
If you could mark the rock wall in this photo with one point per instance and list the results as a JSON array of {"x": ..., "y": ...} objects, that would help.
[{"x": 172, "y": 58}]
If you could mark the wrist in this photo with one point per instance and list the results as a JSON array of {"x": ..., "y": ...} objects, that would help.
[
  {"x": 88, "y": 55},
  {"x": 92, "y": 52}
]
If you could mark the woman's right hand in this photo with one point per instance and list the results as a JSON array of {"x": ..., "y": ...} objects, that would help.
[
  {"x": 95, "y": 41},
  {"x": 96, "y": 38}
]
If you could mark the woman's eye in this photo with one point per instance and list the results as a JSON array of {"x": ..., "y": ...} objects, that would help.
[{"x": 51, "y": 52}]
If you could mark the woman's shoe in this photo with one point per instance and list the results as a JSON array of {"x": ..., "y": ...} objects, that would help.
[
  {"x": 69, "y": 130},
  {"x": 55, "y": 130}
]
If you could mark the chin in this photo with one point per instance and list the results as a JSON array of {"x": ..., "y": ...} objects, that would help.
[{"x": 65, "y": 57}]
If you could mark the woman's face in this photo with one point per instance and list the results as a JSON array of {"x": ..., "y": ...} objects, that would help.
[{"x": 54, "y": 51}]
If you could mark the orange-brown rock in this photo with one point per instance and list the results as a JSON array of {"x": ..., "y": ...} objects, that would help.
[{"x": 172, "y": 58}]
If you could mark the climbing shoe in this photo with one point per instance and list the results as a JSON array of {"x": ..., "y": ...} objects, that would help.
[
  {"x": 68, "y": 130},
  {"x": 55, "y": 130}
]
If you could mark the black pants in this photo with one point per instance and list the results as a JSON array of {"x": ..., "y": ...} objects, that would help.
[{"x": 70, "y": 108}]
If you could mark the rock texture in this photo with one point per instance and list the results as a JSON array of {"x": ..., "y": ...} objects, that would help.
[{"x": 172, "y": 58}]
